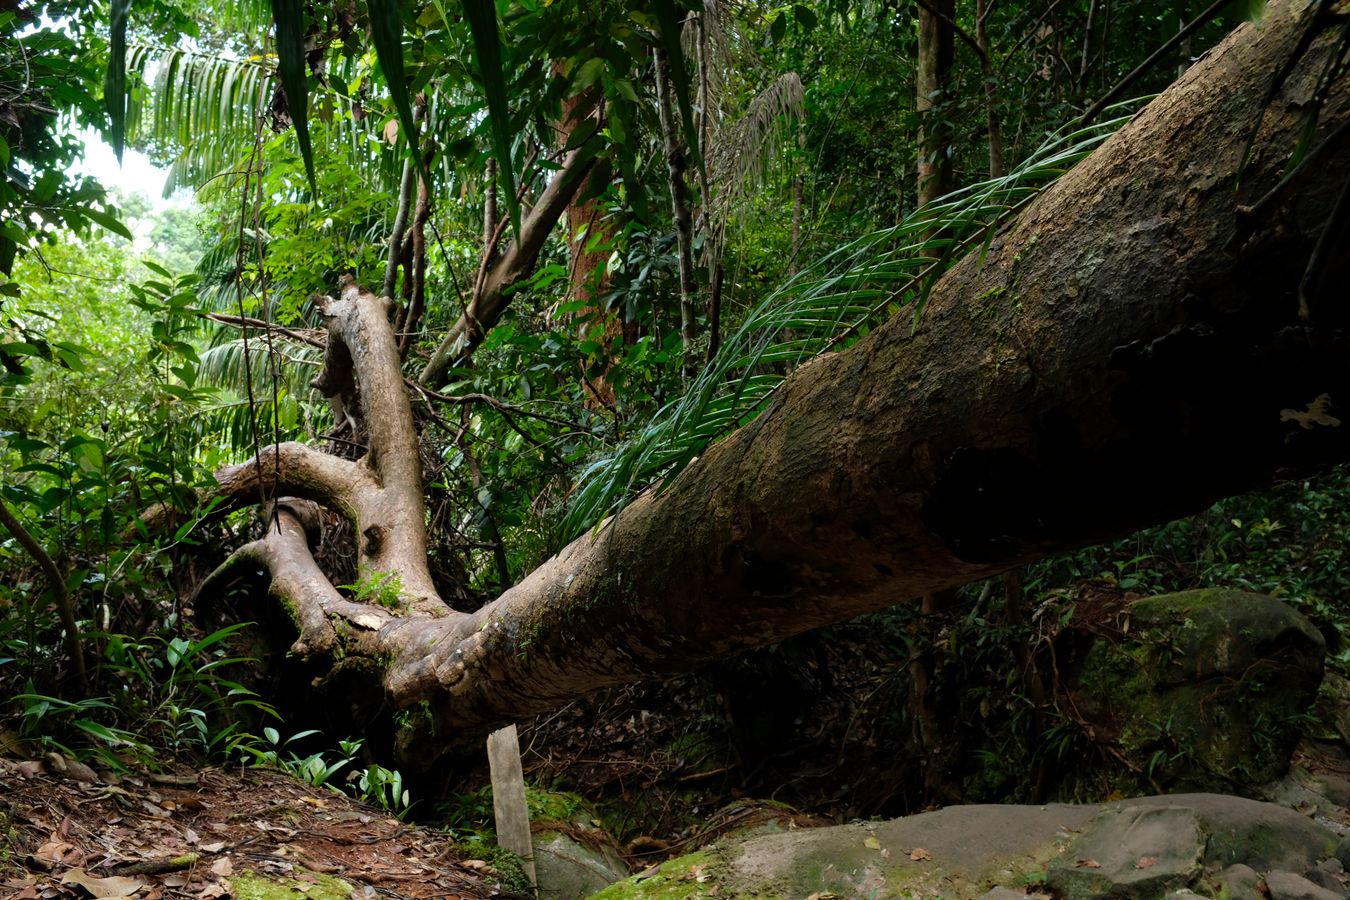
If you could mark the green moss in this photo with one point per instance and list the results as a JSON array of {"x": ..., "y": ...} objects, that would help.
[
  {"x": 505, "y": 864},
  {"x": 555, "y": 806},
  {"x": 675, "y": 879},
  {"x": 252, "y": 886}
]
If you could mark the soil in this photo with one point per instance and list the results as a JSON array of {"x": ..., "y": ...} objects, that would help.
[{"x": 186, "y": 833}]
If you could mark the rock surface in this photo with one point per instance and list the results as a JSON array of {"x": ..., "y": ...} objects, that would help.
[
  {"x": 1132, "y": 852},
  {"x": 1201, "y": 689},
  {"x": 568, "y": 869},
  {"x": 1149, "y": 847}
]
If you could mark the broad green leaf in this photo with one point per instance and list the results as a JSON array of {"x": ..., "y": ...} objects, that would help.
[
  {"x": 482, "y": 16},
  {"x": 107, "y": 220},
  {"x": 290, "y": 24},
  {"x": 115, "y": 84},
  {"x": 387, "y": 29}
]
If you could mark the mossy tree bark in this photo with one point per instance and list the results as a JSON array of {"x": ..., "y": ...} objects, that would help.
[{"x": 1126, "y": 351}]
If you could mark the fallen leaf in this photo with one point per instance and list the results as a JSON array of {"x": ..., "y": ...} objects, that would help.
[
  {"x": 30, "y": 768},
  {"x": 885, "y": 853},
  {"x": 391, "y": 131},
  {"x": 112, "y": 886},
  {"x": 871, "y": 842},
  {"x": 477, "y": 865},
  {"x": 213, "y": 847},
  {"x": 190, "y": 836},
  {"x": 918, "y": 853},
  {"x": 223, "y": 867},
  {"x": 315, "y": 802},
  {"x": 1146, "y": 862},
  {"x": 1087, "y": 864},
  {"x": 211, "y": 891},
  {"x": 54, "y": 851},
  {"x": 647, "y": 872},
  {"x": 823, "y": 895}
]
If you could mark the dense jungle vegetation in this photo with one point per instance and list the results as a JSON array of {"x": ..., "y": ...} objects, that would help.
[{"x": 609, "y": 230}]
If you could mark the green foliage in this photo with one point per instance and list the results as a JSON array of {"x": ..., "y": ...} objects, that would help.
[
  {"x": 373, "y": 784},
  {"x": 289, "y": 16},
  {"x": 381, "y": 588}
]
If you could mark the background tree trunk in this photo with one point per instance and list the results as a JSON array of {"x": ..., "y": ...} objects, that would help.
[{"x": 937, "y": 50}]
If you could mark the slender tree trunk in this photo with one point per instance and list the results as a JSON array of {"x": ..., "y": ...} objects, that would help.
[
  {"x": 676, "y": 165},
  {"x": 589, "y": 236},
  {"x": 993, "y": 123},
  {"x": 56, "y": 581},
  {"x": 937, "y": 39},
  {"x": 491, "y": 295}
]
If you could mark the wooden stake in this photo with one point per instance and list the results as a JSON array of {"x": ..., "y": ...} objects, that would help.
[{"x": 508, "y": 797}]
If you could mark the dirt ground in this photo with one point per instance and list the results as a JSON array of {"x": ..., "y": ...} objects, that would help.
[{"x": 199, "y": 834}]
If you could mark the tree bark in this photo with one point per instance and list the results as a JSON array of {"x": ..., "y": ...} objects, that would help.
[
  {"x": 1108, "y": 362},
  {"x": 937, "y": 50},
  {"x": 676, "y": 166}
]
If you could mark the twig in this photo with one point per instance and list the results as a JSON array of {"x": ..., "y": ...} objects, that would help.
[{"x": 157, "y": 866}]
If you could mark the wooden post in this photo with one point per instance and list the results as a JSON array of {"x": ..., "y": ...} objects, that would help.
[{"x": 508, "y": 797}]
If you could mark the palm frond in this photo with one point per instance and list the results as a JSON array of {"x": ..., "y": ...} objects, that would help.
[
  {"x": 204, "y": 106},
  {"x": 746, "y": 150},
  {"x": 825, "y": 306},
  {"x": 290, "y": 36}
]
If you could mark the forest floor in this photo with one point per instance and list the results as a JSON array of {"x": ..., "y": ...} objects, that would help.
[{"x": 200, "y": 833}]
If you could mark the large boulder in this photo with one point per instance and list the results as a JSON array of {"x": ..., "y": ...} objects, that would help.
[
  {"x": 1202, "y": 690},
  {"x": 1143, "y": 848}
]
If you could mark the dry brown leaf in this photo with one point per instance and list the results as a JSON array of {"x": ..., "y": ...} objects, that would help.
[
  {"x": 315, "y": 802},
  {"x": 648, "y": 872},
  {"x": 112, "y": 886},
  {"x": 30, "y": 768},
  {"x": 391, "y": 131},
  {"x": 223, "y": 867},
  {"x": 213, "y": 847},
  {"x": 1146, "y": 862},
  {"x": 54, "y": 851},
  {"x": 1087, "y": 864},
  {"x": 871, "y": 842},
  {"x": 918, "y": 853},
  {"x": 823, "y": 895}
]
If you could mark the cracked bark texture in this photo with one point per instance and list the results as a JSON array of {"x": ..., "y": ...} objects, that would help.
[{"x": 1108, "y": 364}]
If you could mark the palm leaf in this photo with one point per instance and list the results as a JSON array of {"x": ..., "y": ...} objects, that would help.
[
  {"x": 115, "y": 86},
  {"x": 386, "y": 27},
  {"x": 290, "y": 25},
  {"x": 827, "y": 305},
  {"x": 482, "y": 17}
]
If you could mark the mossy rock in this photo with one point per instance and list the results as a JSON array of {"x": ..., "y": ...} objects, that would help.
[
  {"x": 1205, "y": 688},
  {"x": 252, "y": 886}
]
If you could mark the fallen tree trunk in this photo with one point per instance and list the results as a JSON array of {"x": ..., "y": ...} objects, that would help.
[{"x": 1116, "y": 358}]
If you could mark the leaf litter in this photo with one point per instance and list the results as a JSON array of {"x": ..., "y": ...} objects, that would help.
[{"x": 183, "y": 835}]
